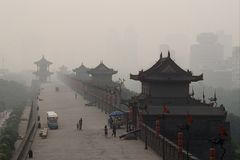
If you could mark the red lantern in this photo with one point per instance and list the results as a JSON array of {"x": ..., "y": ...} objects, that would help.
[
  {"x": 157, "y": 127},
  {"x": 223, "y": 132},
  {"x": 212, "y": 154},
  {"x": 180, "y": 145}
]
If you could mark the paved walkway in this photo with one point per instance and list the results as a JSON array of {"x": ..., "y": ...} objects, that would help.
[{"x": 67, "y": 143}]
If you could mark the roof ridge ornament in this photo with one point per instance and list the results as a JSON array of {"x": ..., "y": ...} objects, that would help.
[
  {"x": 214, "y": 98},
  {"x": 203, "y": 96},
  {"x": 215, "y": 95}
]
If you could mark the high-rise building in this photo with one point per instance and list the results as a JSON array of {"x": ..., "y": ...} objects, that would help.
[
  {"x": 226, "y": 41},
  {"x": 236, "y": 66},
  {"x": 207, "y": 53}
]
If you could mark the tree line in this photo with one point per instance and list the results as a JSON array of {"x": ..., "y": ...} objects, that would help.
[
  {"x": 13, "y": 97},
  {"x": 230, "y": 98}
]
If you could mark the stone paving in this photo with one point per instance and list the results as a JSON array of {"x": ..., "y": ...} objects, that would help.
[{"x": 67, "y": 143}]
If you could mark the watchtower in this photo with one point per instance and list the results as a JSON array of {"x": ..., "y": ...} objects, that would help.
[
  {"x": 102, "y": 75},
  {"x": 82, "y": 73},
  {"x": 43, "y": 72},
  {"x": 166, "y": 97}
]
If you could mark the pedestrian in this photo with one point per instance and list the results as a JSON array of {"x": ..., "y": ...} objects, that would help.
[
  {"x": 30, "y": 153},
  {"x": 75, "y": 95},
  {"x": 80, "y": 123},
  {"x": 105, "y": 130},
  {"x": 77, "y": 126},
  {"x": 114, "y": 130},
  {"x": 39, "y": 125}
]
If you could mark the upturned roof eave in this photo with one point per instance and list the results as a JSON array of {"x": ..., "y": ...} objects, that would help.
[
  {"x": 166, "y": 78},
  {"x": 159, "y": 70},
  {"x": 101, "y": 72}
]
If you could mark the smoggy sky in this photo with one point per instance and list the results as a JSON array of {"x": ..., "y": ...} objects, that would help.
[{"x": 125, "y": 34}]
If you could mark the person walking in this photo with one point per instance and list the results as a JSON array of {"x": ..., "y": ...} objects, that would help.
[
  {"x": 77, "y": 126},
  {"x": 114, "y": 130},
  {"x": 30, "y": 153},
  {"x": 105, "y": 130},
  {"x": 80, "y": 123}
]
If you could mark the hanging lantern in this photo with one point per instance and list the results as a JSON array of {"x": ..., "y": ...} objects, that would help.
[
  {"x": 212, "y": 154},
  {"x": 180, "y": 145},
  {"x": 223, "y": 132}
]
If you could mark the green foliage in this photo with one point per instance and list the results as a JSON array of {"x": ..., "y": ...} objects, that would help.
[
  {"x": 230, "y": 98},
  {"x": 5, "y": 149},
  {"x": 12, "y": 97},
  {"x": 237, "y": 151},
  {"x": 9, "y": 133},
  {"x": 2, "y": 106},
  {"x": 3, "y": 156},
  {"x": 12, "y": 94},
  {"x": 235, "y": 129},
  {"x": 237, "y": 156},
  {"x": 235, "y": 134}
]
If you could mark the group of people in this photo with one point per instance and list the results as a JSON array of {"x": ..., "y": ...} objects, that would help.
[
  {"x": 114, "y": 130},
  {"x": 79, "y": 124}
]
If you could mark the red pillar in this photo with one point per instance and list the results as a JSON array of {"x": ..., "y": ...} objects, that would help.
[
  {"x": 130, "y": 114},
  {"x": 180, "y": 145},
  {"x": 157, "y": 127}
]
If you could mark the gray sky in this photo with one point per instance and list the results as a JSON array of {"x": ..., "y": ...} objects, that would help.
[{"x": 125, "y": 34}]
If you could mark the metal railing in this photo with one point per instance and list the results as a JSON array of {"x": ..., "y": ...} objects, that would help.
[{"x": 162, "y": 145}]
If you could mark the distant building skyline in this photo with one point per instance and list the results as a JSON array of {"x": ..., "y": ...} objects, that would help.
[
  {"x": 236, "y": 66},
  {"x": 206, "y": 53}
]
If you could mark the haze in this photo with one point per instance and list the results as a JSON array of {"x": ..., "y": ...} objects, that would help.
[{"x": 125, "y": 34}]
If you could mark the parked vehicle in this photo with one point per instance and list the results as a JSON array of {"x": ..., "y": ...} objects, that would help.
[{"x": 52, "y": 120}]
